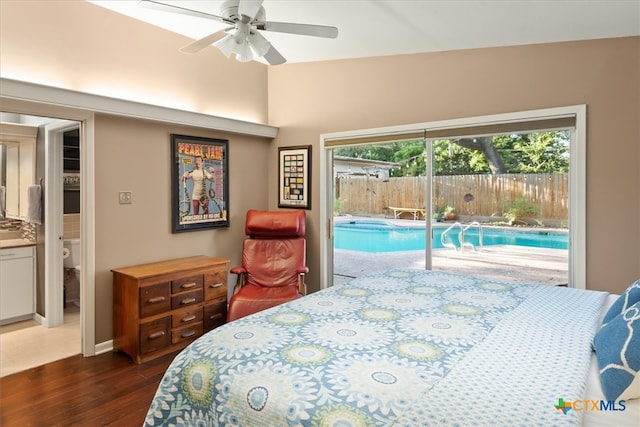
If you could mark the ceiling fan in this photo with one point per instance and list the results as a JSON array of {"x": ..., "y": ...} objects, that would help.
[{"x": 243, "y": 38}]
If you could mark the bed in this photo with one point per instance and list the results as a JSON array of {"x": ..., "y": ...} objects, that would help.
[{"x": 403, "y": 347}]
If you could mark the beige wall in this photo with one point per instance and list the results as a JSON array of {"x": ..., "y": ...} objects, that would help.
[
  {"x": 306, "y": 100},
  {"x": 77, "y": 45},
  {"x": 134, "y": 155}
]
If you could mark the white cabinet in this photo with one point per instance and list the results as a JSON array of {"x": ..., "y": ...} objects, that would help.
[{"x": 17, "y": 283}]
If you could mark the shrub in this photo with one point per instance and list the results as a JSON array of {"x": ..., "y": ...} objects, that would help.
[
  {"x": 520, "y": 210},
  {"x": 337, "y": 206},
  {"x": 438, "y": 213}
]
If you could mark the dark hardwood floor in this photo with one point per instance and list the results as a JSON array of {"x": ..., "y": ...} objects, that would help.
[{"x": 103, "y": 390}]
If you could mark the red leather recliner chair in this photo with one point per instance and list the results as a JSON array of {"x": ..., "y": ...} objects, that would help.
[{"x": 273, "y": 262}]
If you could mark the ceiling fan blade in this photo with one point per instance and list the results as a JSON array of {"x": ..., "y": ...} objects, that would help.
[
  {"x": 265, "y": 49},
  {"x": 156, "y": 5},
  {"x": 303, "y": 29},
  {"x": 273, "y": 57},
  {"x": 249, "y": 8},
  {"x": 200, "y": 44}
]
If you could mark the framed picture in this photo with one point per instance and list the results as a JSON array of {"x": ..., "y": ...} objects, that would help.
[
  {"x": 294, "y": 177},
  {"x": 199, "y": 183}
]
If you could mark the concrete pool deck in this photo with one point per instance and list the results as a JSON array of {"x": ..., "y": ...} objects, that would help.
[{"x": 504, "y": 262}]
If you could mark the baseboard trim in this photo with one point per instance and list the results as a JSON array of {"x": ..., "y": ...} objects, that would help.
[
  {"x": 38, "y": 318},
  {"x": 104, "y": 347}
]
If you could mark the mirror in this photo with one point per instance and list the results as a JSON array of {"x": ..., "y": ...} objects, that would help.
[
  {"x": 11, "y": 171},
  {"x": 17, "y": 165}
]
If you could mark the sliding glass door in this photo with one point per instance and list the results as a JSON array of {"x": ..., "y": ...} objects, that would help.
[
  {"x": 497, "y": 204},
  {"x": 501, "y": 206},
  {"x": 379, "y": 207}
]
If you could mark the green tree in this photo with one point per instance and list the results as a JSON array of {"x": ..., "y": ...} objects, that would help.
[
  {"x": 545, "y": 152},
  {"x": 538, "y": 152},
  {"x": 485, "y": 146},
  {"x": 453, "y": 159},
  {"x": 412, "y": 157},
  {"x": 382, "y": 152}
]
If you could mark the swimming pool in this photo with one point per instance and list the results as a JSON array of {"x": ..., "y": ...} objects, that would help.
[{"x": 382, "y": 236}]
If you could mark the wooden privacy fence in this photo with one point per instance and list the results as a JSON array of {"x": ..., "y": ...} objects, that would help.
[{"x": 469, "y": 195}]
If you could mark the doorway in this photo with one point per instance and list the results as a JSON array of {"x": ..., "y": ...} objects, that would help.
[
  {"x": 463, "y": 128},
  {"x": 55, "y": 331}
]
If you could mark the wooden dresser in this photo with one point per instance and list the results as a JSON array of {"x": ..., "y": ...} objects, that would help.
[{"x": 161, "y": 307}]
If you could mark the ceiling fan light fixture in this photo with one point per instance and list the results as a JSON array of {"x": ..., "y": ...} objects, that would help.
[
  {"x": 236, "y": 43},
  {"x": 241, "y": 35},
  {"x": 244, "y": 53},
  {"x": 226, "y": 45}
]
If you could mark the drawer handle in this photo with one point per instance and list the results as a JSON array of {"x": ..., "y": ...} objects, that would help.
[
  {"x": 188, "y": 285},
  {"x": 216, "y": 285},
  {"x": 188, "y": 318},
  {"x": 215, "y": 316},
  {"x": 188, "y": 301},
  {"x": 155, "y": 335},
  {"x": 188, "y": 334},
  {"x": 155, "y": 300}
]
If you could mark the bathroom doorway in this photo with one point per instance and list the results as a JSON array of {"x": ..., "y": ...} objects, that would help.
[{"x": 55, "y": 331}]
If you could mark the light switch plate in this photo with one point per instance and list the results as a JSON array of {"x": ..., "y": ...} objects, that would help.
[{"x": 125, "y": 197}]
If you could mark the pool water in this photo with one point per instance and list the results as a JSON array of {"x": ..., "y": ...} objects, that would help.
[{"x": 380, "y": 236}]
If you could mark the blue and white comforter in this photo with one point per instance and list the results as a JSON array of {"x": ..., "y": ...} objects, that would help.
[{"x": 404, "y": 348}]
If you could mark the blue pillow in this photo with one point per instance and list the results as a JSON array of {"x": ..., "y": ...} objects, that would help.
[
  {"x": 626, "y": 300},
  {"x": 617, "y": 346}
]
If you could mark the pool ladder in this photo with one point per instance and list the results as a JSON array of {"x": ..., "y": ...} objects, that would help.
[{"x": 462, "y": 228}]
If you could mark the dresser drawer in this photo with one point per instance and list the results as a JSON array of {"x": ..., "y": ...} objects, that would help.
[
  {"x": 186, "y": 284},
  {"x": 155, "y": 299},
  {"x": 159, "y": 307},
  {"x": 155, "y": 335},
  {"x": 215, "y": 285},
  {"x": 186, "y": 317},
  {"x": 215, "y": 314},
  {"x": 186, "y": 299},
  {"x": 186, "y": 333}
]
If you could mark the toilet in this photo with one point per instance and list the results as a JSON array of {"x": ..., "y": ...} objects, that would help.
[{"x": 71, "y": 259}]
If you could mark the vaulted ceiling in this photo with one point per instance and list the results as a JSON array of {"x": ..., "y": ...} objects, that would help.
[{"x": 376, "y": 28}]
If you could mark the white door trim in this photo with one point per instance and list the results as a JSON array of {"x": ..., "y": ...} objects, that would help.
[
  {"x": 19, "y": 105},
  {"x": 54, "y": 229},
  {"x": 88, "y": 236},
  {"x": 577, "y": 179}
]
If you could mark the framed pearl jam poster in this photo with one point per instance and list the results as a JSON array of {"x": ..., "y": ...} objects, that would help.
[
  {"x": 199, "y": 183},
  {"x": 294, "y": 177}
]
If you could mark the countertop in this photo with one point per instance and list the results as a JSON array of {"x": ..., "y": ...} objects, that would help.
[{"x": 15, "y": 243}]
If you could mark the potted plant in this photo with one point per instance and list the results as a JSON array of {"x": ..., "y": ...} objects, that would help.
[{"x": 450, "y": 213}]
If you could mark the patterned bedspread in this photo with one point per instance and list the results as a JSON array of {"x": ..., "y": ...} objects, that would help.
[{"x": 403, "y": 347}]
